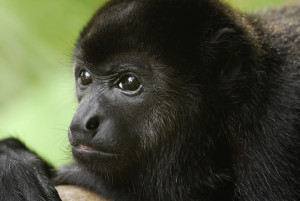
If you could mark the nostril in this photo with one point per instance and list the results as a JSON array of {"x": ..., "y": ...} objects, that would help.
[{"x": 92, "y": 123}]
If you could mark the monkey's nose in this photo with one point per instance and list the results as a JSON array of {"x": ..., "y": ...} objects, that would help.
[{"x": 93, "y": 123}]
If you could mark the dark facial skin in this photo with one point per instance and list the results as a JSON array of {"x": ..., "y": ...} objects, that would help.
[{"x": 106, "y": 126}]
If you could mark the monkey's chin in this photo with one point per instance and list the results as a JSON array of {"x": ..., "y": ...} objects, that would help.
[{"x": 94, "y": 159}]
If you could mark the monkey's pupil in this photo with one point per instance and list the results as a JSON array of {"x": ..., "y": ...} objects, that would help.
[
  {"x": 129, "y": 83},
  {"x": 85, "y": 78}
]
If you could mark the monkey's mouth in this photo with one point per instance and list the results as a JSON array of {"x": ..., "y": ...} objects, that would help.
[
  {"x": 84, "y": 147},
  {"x": 87, "y": 151}
]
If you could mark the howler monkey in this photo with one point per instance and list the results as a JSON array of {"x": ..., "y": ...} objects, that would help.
[{"x": 179, "y": 100}]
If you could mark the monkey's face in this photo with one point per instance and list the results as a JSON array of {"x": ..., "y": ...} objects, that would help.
[{"x": 114, "y": 101}]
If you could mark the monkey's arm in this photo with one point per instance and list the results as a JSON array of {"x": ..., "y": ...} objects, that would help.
[{"x": 24, "y": 175}]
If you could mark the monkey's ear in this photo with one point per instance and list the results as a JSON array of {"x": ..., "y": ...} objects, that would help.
[{"x": 232, "y": 51}]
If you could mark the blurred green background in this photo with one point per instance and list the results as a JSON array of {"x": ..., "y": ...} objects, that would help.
[{"x": 37, "y": 97}]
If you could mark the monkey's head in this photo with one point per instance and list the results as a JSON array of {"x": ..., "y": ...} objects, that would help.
[{"x": 147, "y": 74}]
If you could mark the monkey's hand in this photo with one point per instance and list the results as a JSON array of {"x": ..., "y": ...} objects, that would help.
[{"x": 23, "y": 175}]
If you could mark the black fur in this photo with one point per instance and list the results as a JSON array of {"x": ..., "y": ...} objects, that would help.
[
  {"x": 23, "y": 175},
  {"x": 217, "y": 116}
]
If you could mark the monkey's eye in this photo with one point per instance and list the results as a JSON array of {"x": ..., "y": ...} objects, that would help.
[
  {"x": 129, "y": 83},
  {"x": 85, "y": 78}
]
